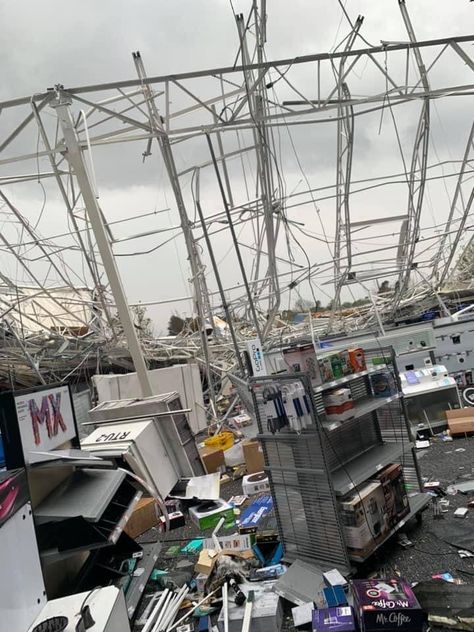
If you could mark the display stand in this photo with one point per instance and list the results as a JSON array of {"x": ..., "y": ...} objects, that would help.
[{"x": 311, "y": 467}]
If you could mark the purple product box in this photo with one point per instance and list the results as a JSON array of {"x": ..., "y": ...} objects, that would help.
[
  {"x": 339, "y": 619},
  {"x": 386, "y": 604}
]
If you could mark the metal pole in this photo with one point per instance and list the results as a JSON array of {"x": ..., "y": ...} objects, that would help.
[
  {"x": 234, "y": 237},
  {"x": 94, "y": 273},
  {"x": 419, "y": 157},
  {"x": 225, "y": 306},
  {"x": 75, "y": 157}
]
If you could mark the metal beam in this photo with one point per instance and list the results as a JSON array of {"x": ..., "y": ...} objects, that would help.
[
  {"x": 23, "y": 124},
  {"x": 419, "y": 157},
  {"x": 344, "y": 146},
  {"x": 224, "y": 70},
  {"x": 457, "y": 194}
]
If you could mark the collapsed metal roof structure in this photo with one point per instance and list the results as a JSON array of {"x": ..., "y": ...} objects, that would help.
[{"x": 63, "y": 306}]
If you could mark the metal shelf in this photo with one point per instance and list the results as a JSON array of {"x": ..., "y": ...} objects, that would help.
[
  {"x": 86, "y": 493},
  {"x": 363, "y": 407},
  {"x": 417, "y": 504},
  {"x": 348, "y": 378},
  {"x": 135, "y": 589},
  {"x": 104, "y": 534},
  {"x": 114, "y": 536},
  {"x": 355, "y": 472}
]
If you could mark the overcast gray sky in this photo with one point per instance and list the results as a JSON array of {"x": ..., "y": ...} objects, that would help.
[{"x": 45, "y": 43}]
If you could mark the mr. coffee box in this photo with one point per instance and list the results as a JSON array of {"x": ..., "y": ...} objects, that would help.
[{"x": 386, "y": 604}]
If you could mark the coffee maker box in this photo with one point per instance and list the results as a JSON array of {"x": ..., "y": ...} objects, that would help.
[
  {"x": 386, "y": 604},
  {"x": 363, "y": 516},
  {"x": 339, "y": 619},
  {"x": 396, "y": 498}
]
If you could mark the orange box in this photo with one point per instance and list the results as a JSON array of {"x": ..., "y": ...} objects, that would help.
[{"x": 357, "y": 359}]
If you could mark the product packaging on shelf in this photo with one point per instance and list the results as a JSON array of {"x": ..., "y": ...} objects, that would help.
[
  {"x": 338, "y": 405},
  {"x": 357, "y": 359},
  {"x": 363, "y": 517},
  {"x": 393, "y": 487},
  {"x": 383, "y": 384},
  {"x": 302, "y": 359},
  {"x": 325, "y": 367},
  {"x": 345, "y": 362},
  {"x": 336, "y": 366}
]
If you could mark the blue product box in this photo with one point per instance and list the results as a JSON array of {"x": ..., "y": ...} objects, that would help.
[{"x": 334, "y": 619}]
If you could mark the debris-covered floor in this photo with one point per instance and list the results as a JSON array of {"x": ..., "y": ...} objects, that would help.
[{"x": 430, "y": 553}]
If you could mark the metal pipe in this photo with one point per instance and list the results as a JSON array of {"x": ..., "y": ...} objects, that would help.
[
  {"x": 221, "y": 289},
  {"x": 155, "y": 611},
  {"x": 234, "y": 236},
  {"x": 188, "y": 614}
]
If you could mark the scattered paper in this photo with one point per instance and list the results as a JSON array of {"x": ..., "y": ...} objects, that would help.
[
  {"x": 202, "y": 487},
  {"x": 446, "y": 577},
  {"x": 237, "y": 501},
  {"x": 420, "y": 445}
]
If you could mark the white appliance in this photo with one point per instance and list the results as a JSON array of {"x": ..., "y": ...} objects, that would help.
[
  {"x": 106, "y": 605},
  {"x": 183, "y": 378},
  {"x": 22, "y": 593},
  {"x": 140, "y": 446},
  {"x": 134, "y": 438}
]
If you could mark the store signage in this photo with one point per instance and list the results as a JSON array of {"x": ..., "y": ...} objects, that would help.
[
  {"x": 254, "y": 348},
  {"x": 45, "y": 419}
]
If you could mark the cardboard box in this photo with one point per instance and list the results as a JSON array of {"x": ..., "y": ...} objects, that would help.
[
  {"x": 143, "y": 518},
  {"x": 396, "y": 499},
  {"x": 212, "y": 459},
  {"x": 386, "y": 604},
  {"x": 460, "y": 420},
  {"x": 205, "y": 564},
  {"x": 339, "y": 619},
  {"x": 363, "y": 516},
  {"x": 253, "y": 455}
]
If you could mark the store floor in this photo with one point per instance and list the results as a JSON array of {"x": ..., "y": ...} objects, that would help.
[{"x": 446, "y": 462}]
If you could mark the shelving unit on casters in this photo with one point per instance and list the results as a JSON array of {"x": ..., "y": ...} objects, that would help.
[
  {"x": 371, "y": 462},
  {"x": 353, "y": 470}
]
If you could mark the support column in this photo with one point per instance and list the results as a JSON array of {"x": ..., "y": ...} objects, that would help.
[{"x": 75, "y": 157}]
